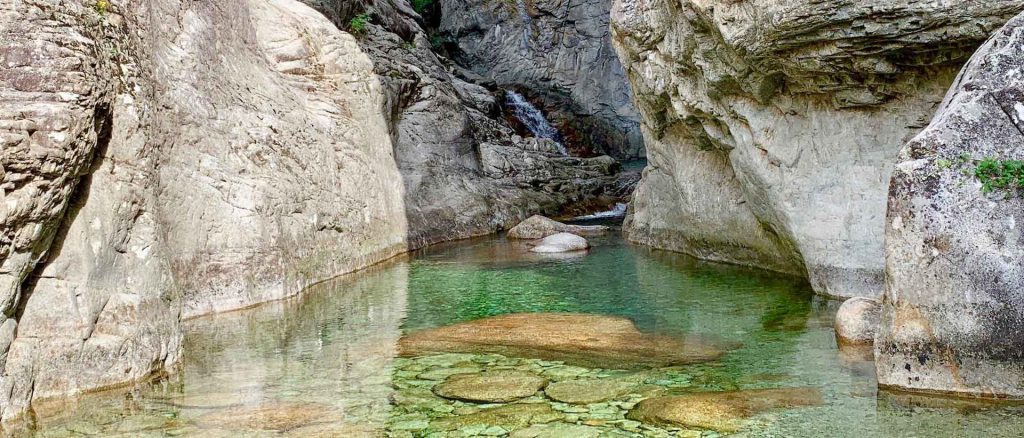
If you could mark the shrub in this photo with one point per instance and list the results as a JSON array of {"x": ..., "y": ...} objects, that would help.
[{"x": 102, "y": 6}]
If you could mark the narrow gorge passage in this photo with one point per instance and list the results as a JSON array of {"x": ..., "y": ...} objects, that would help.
[{"x": 511, "y": 218}]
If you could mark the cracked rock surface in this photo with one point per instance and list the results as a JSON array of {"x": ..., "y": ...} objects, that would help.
[
  {"x": 771, "y": 126},
  {"x": 951, "y": 316}
]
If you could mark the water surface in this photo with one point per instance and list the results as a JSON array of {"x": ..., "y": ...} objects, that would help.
[{"x": 324, "y": 364}]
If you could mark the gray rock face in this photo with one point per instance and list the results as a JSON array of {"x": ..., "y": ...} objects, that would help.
[
  {"x": 771, "y": 125},
  {"x": 162, "y": 160},
  {"x": 539, "y": 227},
  {"x": 557, "y": 51},
  {"x": 857, "y": 321},
  {"x": 465, "y": 171},
  {"x": 951, "y": 316}
]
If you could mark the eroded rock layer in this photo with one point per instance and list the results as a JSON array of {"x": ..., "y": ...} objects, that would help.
[
  {"x": 771, "y": 126},
  {"x": 952, "y": 314},
  {"x": 164, "y": 159},
  {"x": 465, "y": 171}
]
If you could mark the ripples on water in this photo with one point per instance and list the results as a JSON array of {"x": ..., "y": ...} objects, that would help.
[{"x": 321, "y": 365}]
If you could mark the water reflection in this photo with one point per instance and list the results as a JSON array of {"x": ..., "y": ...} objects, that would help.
[{"x": 324, "y": 364}]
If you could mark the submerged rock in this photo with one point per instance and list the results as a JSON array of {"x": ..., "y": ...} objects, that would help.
[
  {"x": 509, "y": 417},
  {"x": 276, "y": 416},
  {"x": 558, "y": 430},
  {"x": 578, "y": 339},
  {"x": 588, "y": 390},
  {"x": 721, "y": 411},
  {"x": 561, "y": 242},
  {"x": 539, "y": 227},
  {"x": 857, "y": 321},
  {"x": 491, "y": 387},
  {"x": 951, "y": 317}
]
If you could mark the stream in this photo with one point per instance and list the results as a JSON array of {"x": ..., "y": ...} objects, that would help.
[{"x": 326, "y": 363}]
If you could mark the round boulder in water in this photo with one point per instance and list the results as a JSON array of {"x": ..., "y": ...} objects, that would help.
[
  {"x": 539, "y": 227},
  {"x": 857, "y": 321},
  {"x": 491, "y": 387},
  {"x": 561, "y": 242}
]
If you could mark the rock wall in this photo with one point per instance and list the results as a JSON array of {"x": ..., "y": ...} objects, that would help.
[
  {"x": 560, "y": 53},
  {"x": 164, "y": 159},
  {"x": 952, "y": 314},
  {"x": 771, "y": 126},
  {"x": 466, "y": 173}
]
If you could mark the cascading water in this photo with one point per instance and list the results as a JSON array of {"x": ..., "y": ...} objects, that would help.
[{"x": 533, "y": 119}]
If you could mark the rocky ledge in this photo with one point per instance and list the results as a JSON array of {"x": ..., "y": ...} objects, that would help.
[{"x": 771, "y": 126}]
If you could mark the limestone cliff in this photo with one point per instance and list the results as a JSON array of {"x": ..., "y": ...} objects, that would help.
[
  {"x": 557, "y": 51},
  {"x": 951, "y": 316},
  {"x": 771, "y": 126},
  {"x": 164, "y": 159},
  {"x": 466, "y": 173}
]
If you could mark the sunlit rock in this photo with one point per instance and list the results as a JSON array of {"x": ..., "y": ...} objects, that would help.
[
  {"x": 577, "y": 339},
  {"x": 772, "y": 125},
  {"x": 857, "y": 321},
  {"x": 952, "y": 314},
  {"x": 539, "y": 227},
  {"x": 561, "y": 242}
]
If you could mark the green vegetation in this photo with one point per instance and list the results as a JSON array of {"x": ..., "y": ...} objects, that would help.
[
  {"x": 358, "y": 23},
  {"x": 102, "y": 6},
  {"x": 1006, "y": 175},
  {"x": 421, "y": 5}
]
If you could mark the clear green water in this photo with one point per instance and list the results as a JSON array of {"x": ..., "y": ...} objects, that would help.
[{"x": 324, "y": 364}]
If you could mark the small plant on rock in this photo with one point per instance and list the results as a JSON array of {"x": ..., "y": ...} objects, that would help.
[
  {"x": 358, "y": 23},
  {"x": 102, "y": 6},
  {"x": 1005, "y": 175}
]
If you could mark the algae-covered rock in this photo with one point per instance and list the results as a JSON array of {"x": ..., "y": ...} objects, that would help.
[
  {"x": 491, "y": 387},
  {"x": 577, "y": 339},
  {"x": 510, "y": 417},
  {"x": 721, "y": 411},
  {"x": 557, "y": 430},
  {"x": 588, "y": 390}
]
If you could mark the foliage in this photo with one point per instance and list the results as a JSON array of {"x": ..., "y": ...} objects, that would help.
[
  {"x": 1006, "y": 175},
  {"x": 102, "y": 6},
  {"x": 421, "y": 5},
  {"x": 358, "y": 23}
]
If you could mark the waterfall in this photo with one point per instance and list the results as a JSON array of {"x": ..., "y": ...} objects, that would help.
[{"x": 534, "y": 120}]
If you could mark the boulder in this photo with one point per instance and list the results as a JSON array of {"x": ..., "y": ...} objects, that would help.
[
  {"x": 951, "y": 317},
  {"x": 561, "y": 242},
  {"x": 857, "y": 321},
  {"x": 578, "y": 339},
  {"x": 720, "y": 411},
  {"x": 771, "y": 126},
  {"x": 490, "y": 387},
  {"x": 539, "y": 227}
]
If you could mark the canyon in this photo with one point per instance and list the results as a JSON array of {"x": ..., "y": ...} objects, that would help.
[{"x": 166, "y": 160}]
